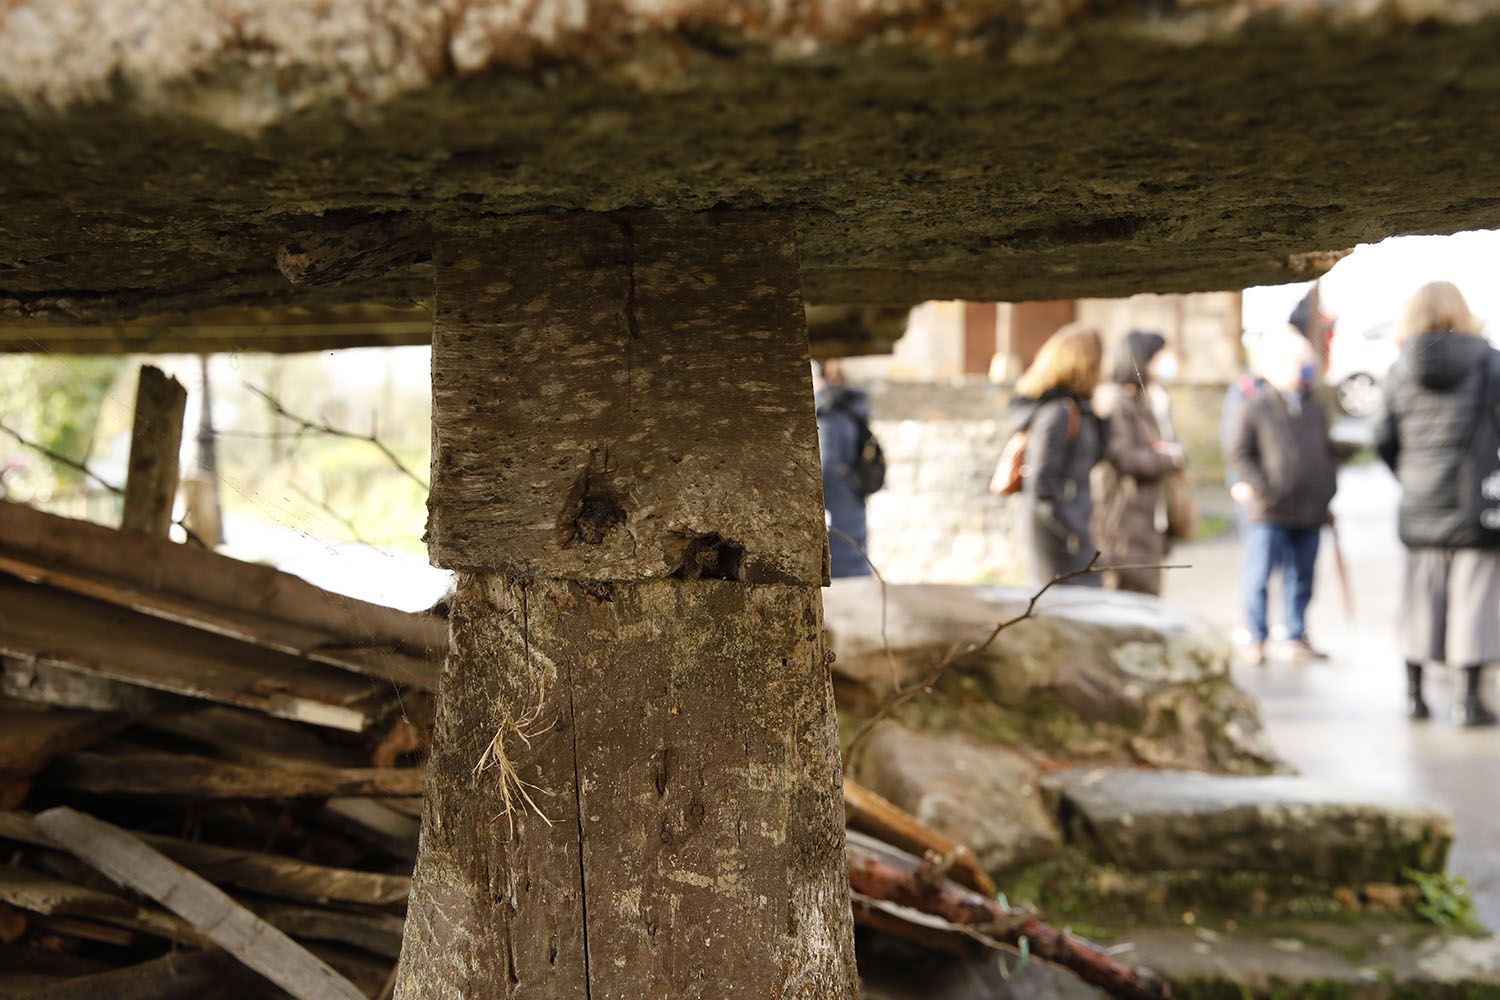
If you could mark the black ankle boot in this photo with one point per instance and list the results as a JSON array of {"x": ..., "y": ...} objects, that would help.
[
  {"x": 1473, "y": 711},
  {"x": 1416, "y": 705}
]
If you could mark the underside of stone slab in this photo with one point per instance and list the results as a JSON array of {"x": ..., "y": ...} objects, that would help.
[{"x": 157, "y": 157}]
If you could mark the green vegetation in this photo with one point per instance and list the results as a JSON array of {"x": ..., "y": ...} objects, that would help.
[{"x": 1445, "y": 901}]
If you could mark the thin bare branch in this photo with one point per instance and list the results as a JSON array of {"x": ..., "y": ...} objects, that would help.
[
  {"x": 969, "y": 647},
  {"x": 323, "y": 427},
  {"x": 328, "y": 509},
  {"x": 62, "y": 459}
]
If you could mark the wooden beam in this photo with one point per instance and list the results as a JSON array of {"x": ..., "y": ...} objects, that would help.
[
  {"x": 29, "y": 737},
  {"x": 184, "y": 776},
  {"x": 155, "y": 446},
  {"x": 131, "y": 863},
  {"x": 180, "y": 975},
  {"x": 55, "y": 898},
  {"x": 633, "y": 783},
  {"x": 47, "y": 626},
  {"x": 265, "y": 874},
  {"x": 230, "y": 331},
  {"x": 870, "y": 813},
  {"x": 344, "y": 251},
  {"x": 236, "y": 598}
]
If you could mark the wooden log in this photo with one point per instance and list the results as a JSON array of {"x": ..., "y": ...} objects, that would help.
[
  {"x": 41, "y": 682},
  {"x": 377, "y": 933},
  {"x": 50, "y": 626},
  {"x": 870, "y": 813},
  {"x": 265, "y": 874},
  {"x": 30, "y": 737},
  {"x": 183, "y": 776},
  {"x": 55, "y": 898},
  {"x": 155, "y": 446},
  {"x": 180, "y": 975},
  {"x": 388, "y": 830},
  {"x": 130, "y": 862},
  {"x": 633, "y": 787}
]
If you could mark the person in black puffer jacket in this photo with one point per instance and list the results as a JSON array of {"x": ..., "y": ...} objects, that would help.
[
  {"x": 1065, "y": 440},
  {"x": 1440, "y": 435}
]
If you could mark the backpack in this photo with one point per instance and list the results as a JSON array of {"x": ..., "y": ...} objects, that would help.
[
  {"x": 867, "y": 474},
  {"x": 1011, "y": 470}
]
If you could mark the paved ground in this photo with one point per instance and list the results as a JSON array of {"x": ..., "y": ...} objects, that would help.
[{"x": 1344, "y": 720}]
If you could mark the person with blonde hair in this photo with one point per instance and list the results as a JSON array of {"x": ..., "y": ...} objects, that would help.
[
  {"x": 1064, "y": 441},
  {"x": 1440, "y": 435},
  {"x": 1285, "y": 472}
]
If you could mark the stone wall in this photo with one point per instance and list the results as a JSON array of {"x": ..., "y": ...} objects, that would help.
[{"x": 936, "y": 520}]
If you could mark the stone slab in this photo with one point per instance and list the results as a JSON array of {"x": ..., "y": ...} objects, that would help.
[
  {"x": 984, "y": 797},
  {"x": 1365, "y": 961},
  {"x": 1177, "y": 820}
]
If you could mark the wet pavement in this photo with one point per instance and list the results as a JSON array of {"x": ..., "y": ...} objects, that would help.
[{"x": 1344, "y": 720}]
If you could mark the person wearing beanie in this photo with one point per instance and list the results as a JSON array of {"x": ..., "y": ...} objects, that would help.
[
  {"x": 1286, "y": 473},
  {"x": 1130, "y": 513}
]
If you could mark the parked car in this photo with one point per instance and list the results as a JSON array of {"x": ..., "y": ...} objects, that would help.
[{"x": 1358, "y": 363}]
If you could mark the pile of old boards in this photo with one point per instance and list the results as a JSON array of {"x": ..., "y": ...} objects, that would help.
[
  {"x": 210, "y": 780},
  {"x": 178, "y": 725}
]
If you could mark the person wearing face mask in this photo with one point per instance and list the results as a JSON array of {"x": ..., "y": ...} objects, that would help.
[
  {"x": 1286, "y": 473},
  {"x": 1130, "y": 512}
]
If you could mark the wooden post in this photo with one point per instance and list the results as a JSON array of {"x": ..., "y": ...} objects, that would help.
[
  {"x": 155, "y": 443},
  {"x": 634, "y": 788}
]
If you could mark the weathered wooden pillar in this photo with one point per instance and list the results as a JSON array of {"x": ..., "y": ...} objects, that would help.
[
  {"x": 155, "y": 444},
  {"x": 634, "y": 784}
]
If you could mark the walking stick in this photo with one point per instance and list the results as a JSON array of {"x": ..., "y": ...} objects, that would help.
[{"x": 1343, "y": 570}]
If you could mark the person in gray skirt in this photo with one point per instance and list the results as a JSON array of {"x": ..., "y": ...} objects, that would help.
[{"x": 1440, "y": 434}]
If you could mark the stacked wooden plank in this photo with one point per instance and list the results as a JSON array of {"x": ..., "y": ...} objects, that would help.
[{"x": 209, "y": 771}]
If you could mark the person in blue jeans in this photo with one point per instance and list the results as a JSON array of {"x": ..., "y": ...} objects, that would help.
[{"x": 1286, "y": 473}]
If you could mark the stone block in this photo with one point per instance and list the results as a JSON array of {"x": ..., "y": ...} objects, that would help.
[
  {"x": 982, "y": 796},
  {"x": 1178, "y": 820}
]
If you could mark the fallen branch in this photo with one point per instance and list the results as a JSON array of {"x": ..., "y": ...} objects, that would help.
[{"x": 879, "y": 872}]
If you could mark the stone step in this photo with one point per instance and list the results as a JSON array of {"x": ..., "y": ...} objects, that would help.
[
  {"x": 1363, "y": 961},
  {"x": 1190, "y": 821},
  {"x": 1312, "y": 960}
]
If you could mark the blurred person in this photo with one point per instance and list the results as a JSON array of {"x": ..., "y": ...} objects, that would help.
[
  {"x": 1440, "y": 435},
  {"x": 1313, "y": 325},
  {"x": 1130, "y": 522},
  {"x": 853, "y": 466},
  {"x": 1064, "y": 441},
  {"x": 1285, "y": 473}
]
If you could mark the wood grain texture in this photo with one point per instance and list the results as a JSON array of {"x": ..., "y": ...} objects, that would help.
[
  {"x": 155, "y": 444},
  {"x": 51, "y": 626},
  {"x": 624, "y": 398},
  {"x": 183, "y": 776},
  {"x": 264, "y": 874},
  {"x": 127, "y": 860},
  {"x": 183, "y": 583},
  {"x": 687, "y": 840}
]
